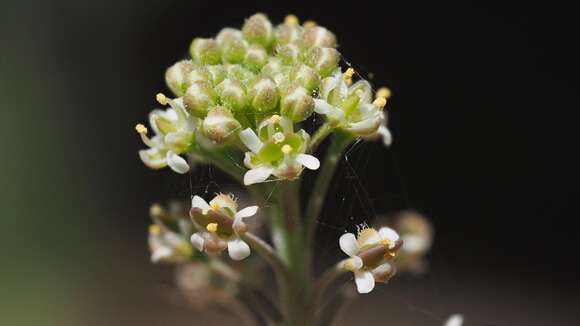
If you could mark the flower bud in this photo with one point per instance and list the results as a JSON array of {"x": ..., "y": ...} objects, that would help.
[
  {"x": 232, "y": 94},
  {"x": 220, "y": 125},
  {"x": 198, "y": 73},
  {"x": 232, "y": 45},
  {"x": 284, "y": 34},
  {"x": 305, "y": 77},
  {"x": 256, "y": 57},
  {"x": 198, "y": 98},
  {"x": 258, "y": 29},
  {"x": 264, "y": 94},
  {"x": 217, "y": 73},
  {"x": 240, "y": 73},
  {"x": 176, "y": 77},
  {"x": 318, "y": 36},
  {"x": 324, "y": 60},
  {"x": 288, "y": 54},
  {"x": 205, "y": 51},
  {"x": 297, "y": 104}
]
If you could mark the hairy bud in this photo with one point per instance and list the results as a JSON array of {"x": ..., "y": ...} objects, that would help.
[
  {"x": 220, "y": 125},
  {"x": 176, "y": 77},
  {"x": 199, "y": 97},
  {"x": 232, "y": 45},
  {"x": 324, "y": 60},
  {"x": 232, "y": 94},
  {"x": 258, "y": 29},
  {"x": 318, "y": 36},
  {"x": 284, "y": 34},
  {"x": 205, "y": 51},
  {"x": 305, "y": 77},
  {"x": 288, "y": 54},
  {"x": 297, "y": 104},
  {"x": 256, "y": 57},
  {"x": 264, "y": 94}
]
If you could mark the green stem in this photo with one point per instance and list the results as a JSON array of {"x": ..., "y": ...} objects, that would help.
[
  {"x": 339, "y": 143},
  {"x": 266, "y": 251},
  {"x": 325, "y": 280},
  {"x": 319, "y": 136}
]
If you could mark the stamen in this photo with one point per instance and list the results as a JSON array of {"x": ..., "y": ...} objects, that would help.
[
  {"x": 275, "y": 118},
  {"x": 309, "y": 23},
  {"x": 161, "y": 98},
  {"x": 215, "y": 206},
  {"x": 385, "y": 242},
  {"x": 141, "y": 129},
  {"x": 347, "y": 76},
  {"x": 380, "y": 102},
  {"x": 383, "y": 92},
  {"x": 212, "y": 227},
  {"x": 291, "y": 20},
  {"x": 349, "y": 265},
  {"x": 154, "y": 229},
  {"x": 286, "y": 149}
]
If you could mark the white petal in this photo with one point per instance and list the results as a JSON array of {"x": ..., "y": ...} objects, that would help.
[
  {"x": 152, "y": 158},
  {"x": 197, "y": 241},
  {"x": 160, "y": 253},
  {"x": 388, "y": 233},
  {"x": 365, "y": 282},
  {"x": 251, "y": 140},
  {"x": 247, "y": 212},
  {"x": 365, "y": 127},
  {"x": 198, "y": 202},
  {"x": 257, "y": 175},
  {"x": 413, "y": 243},
  {"x": 386, "y": 135},
  {"x": 238, "y": 249},
  {"x": 348, "y": 244},
  {"x": 177, "y": 163},
  {"x": 358, "y": 262},
  {"x": 308, "y": 161},
  {"x": 322, "y": 107},
  {"x": 454, "y": 320},
  {"x": 383, "y": 269}
]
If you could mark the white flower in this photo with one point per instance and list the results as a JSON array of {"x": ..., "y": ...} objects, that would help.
[
  {"x": 371, "y": 255},
  {"x": 454, "y": 320},
  {"x": 223, "y": 224},
  {"x": 174, "y": 131},
  {"x": 280, "y": 152},
  {"x": 167, "y": 246}
]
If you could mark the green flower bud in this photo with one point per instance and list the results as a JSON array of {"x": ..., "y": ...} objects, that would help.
[
  {"x": 264, "y": 94},
  {"x": 232, "y": 45},
  {"x": 240, "y": 73},
  {"x": 258, "y": 29},
  {"x": 217, "y": 73},
  {"x": 199, "y": 97},
  {"x": 284, "y": 34},
  {"x": 205, "y": 51},
  {"x": 305, "y": 77},
  {"x": 220, "y": 125},
  {"x": 288, "y": 54},
  {"x": 324, "y": 60},
  {"x": 318, "y": 36},
  {"x": 232, "y": 94},
  {"x": 176, "y": 77},
  {"x": 199, "y": 73},
  {"x": 297, "y": 104},
  {"x": 256, "y": 57}
]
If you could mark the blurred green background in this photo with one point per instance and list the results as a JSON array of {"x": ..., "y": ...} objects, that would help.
[{"x": 75, "y": 78}]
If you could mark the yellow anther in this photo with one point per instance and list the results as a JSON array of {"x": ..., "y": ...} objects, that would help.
[
  {"x": 391, "y": 254},
  {"x": 385, "y": 242},
  {"x": 275, "y": 118},
  {"x": 215, "y": 206},
  {"x": 291, "y": 20},
  {"x": 380, "y": 102},
  {"x": 383, "y": 92},
  {"x": 309, "y": 23},
  {"x": 154, "y": 229},
  {"x": 349, "y": 265},
  {"x": 141, "y": 129},
  {"x": 161, "y": 98},
  {"x": 212, "y": 227},
  {"x": 156, "y": 210},
  {"x": 348, "y": 74},
  {"x": 286, "y": 149}
]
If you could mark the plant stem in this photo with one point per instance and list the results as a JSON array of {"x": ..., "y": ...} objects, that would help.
[
  {"x": 266, "y": 251},
  {"x": 316, "y": 202},
  {"x": 319, "y": 136},
  {"x": 325, "y": 280}
]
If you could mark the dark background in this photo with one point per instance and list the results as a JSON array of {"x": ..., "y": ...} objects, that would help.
[{"x": 482, "y": 117}]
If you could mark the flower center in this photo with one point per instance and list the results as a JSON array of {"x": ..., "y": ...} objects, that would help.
[{"x": 212, "y": 227}]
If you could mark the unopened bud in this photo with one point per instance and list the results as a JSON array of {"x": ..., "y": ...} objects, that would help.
[
  {"x": 176, "y": 77},
  {"x": 284, "y": 34},
  {"x": 217, "y": 73},
  {"x": 205, "y": 51},
  {"x": 240, "y": 73},
  {"x": 264, "y": 95},
  {"x": 198, "y": 73},
  {"x": 220, "y": 125},
  {"x": 318, "y": 36},
  {"x": 232, "y": 45},
  {"x": 324, "y": 60},
  {"x": 288, "y": 53},
  {"x": 297, "y": 104},
  {"x": 256, "y": 57},
  {"x": 199, "y": 97},
  {"x": 232, "y": 94},
  {"x": 258, "y": 29},
  {"x": 305, "y": 77}
]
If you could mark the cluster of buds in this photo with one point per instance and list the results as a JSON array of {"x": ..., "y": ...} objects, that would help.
[
  {"x": 221, "y": 225},
  {"x": 371, "y": 254},
  {"x": 168, "y": 236},
  {"x": 243, "y": 79}
]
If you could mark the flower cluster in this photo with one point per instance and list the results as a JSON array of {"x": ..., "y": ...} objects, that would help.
[
  {"x": 168, "y": 236},
  {"x": 248, "y": 87},
  {"x": 371, "y": 256}
]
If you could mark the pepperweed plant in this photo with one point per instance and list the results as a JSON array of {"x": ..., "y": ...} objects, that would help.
[{"x": 241, "y": 104}]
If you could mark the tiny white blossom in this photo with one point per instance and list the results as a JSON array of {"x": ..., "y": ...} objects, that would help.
[
  {"x": 167, "y": 246},
  {"x": 454, "y": 320}
]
